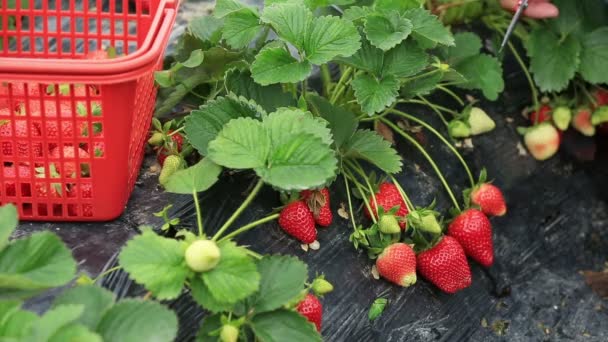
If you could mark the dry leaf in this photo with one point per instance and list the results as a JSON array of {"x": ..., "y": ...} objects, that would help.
[
  {"x": 468, "y": 143},
  {"x": 521, "y": 150},
  {"x": 342, "y": 212},
  {"x": 375, "y": 273},
  {"x": 598, "y": 281},
  {"x": 304, "y": 247},
  {"x": 509, "y": 119},
  {"x": 385, "y": 132},
  {"x": 315, "y": 245}
]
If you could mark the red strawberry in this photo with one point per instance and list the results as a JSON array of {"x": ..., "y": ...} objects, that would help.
[
  {"x": 69, "y": 152},
  {"x": 601, "y": 97},
  {"x": 445, "y": 265},
  {"x": 319, "y": 205},
  {"x": 311, "y": 308},
  {"x": 161, "y": 156},
  {"x": 174, "y": 147},
  {"x": 397, "y": 264},
  {"x": 24, "y": 175},
  {"x": 85, "y": 191},
  {"x": 178, "y": 139},
  {"x": 582, "y": 122},
  {"x": 21, "y": 131},
  {"x": 97, "y": 55},
  {"x": 473, "y": 231},
  {"x": 542, "y": 141},
  {"x": 48, "y": 190},
  {"x": 388, "y": 197},
  {"x": 490, "y": 199},
  {"x": 543, "y": 114},
  {"x": 297, "y": 220}
]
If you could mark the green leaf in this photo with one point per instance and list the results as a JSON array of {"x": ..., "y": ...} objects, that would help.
[
  {"x": 282, "y": 279},
  {"x": 400, "y": 5},
  {"x": 157, "y": 263},
  {"x": 342, "y": 122},
  {"x": 198, "y": 177},
  {"x": 276, "y": 65},
  {"x": 36, "y": 263},
  {"x": 283, "y": 325},
  {"x": 95, "y": 300},
  {"x": 429, "y": 27},
  {"x": 355, "y": 13},
  {"x": 179, "y": 92},
  {"x": 134, "y": 320},
  {"x": 369, "y": 146},
  {"x": 206, "y": 28},
  {"x": 387, "y": 30},
  {"x": 203, "y": 124},
  {"x": 201, "y": 294},
  {"x": 241, "y": 28},
  {"x": 164, "y": 78},
  {"x": 210, "y": 325},
  {"x": 369, "y": 58},
  {"x": 467, "y": 44},
  {"x": 235, "y": 277},
  {"x": 553, "y": 62},
  {"x": 570, "y": 16},
  {"x": 8, "y": 222},
  {"x": 421, "y": 86},
  {"x": 330, "y": 37},
  {"x": 405, "y": 60},
  {"x": 226, "y": 7},
  {"x": 291, "y": 21},
  {"x": 482, "y": 72},
  {"x": 243, "y": 143},
  {"x": 196, "y": 58},
  {"x": 53, "y": 320},
  {"x": 268, "y": 97},
  {"x": 375, "y": 94},
  {"x": 285, "y": 122},
  {"x": 594, "y": 56},
  {"x": 75, "y": 332},
  {"x": 16, "y": 324}
]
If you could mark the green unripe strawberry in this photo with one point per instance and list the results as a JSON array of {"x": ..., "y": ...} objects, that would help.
[
  {"x": 562, "y": 117},
  {"x": 388, "y": 224},
  {"x": 600, "y": 116},
  {"x": 480, "y": 122},
  {"x": 202, "y": 255},
  {"x": 459, "y": 129},
  {"x": 156, "y": 139},
  {"x": 229, "y": 333},
  {"x": 320, "y": 286},
  {"x": 425, "y": 220},
  {"x": 170, "y": 166}
]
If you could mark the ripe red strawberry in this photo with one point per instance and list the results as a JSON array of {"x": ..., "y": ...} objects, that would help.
[
  {"x": 542, "y": 141},
  {"x": 174, "y": 147},
  {"x": 319, "y": 205},
  {"x": 97, "y": 55},
  {"x": 85, "y": 190},
  {"x": 178, "y": 139},
  {"x": 490, "y": 199},
  {"x": 397, "y": 264},
  {"x": 601, "y": 97},
  {"x": 445, "y": 265},
  {"x": 297, "y": 220},
  {"x": 473, "y": 231},
  {"x": 582, "y": 122},
  {"x": 24, "y": 174},
  {"x": 21, "y": 131},
  {"x": 311, "y": 308},
  {"x": 388, "y": 197},
  {"x": 69, "y": 152},
  {"x": 44, "y": 190},
  {"x": 543, "y": 114}
]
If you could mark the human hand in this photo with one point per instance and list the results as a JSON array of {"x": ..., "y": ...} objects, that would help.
[{"x": 538, "y": 9}]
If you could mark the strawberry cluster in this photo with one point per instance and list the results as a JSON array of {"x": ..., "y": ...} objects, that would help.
[{"x": 298, "y": 218}]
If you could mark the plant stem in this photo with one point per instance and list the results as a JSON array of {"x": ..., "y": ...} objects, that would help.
[
  {"x": 425, "y": 74},
  {"x": 361, "y": 190},
  {"x": 199, "y": 216},
  {"x": 304, "y": 88},
  {"x": 452, "y": 94},
  {"x": 428, "y": 103},
  {"x": 249, "y": 226},
  {"x": 350, "y": 202},
  {"x": 106, "y": 272},
  {"x": 428, "y": 158},
  {"x": 442, "y": 138},
  {"x": 240, "y": 209},
  {"x": 524, "y": 68},
  {"x": 361, "y": 173},
  {"x": 262, "y": 38},
  {"x": 326, "y": 79},
  {"x": 406, "y": 199},
  {"x": 341, "y": 85},
  {"x": 253, "y": 254},
  {"x": 437, "y": 111}
]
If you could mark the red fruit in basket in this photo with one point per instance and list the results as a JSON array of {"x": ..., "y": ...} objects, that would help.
[
  {"x": 601, "y": 97},
  {"x": 319, "y": 205},
  {"x": 397, "y": 264},
  {"x": 97, "y": 55},
  {"x": 84, "y": 190},
  {"x": 4, "y": 95},
  {"x": 490, "y": 199},
  {"x": 473, "y": 231},
  {"x": 24, "y": 173},
  {"x": 48, "y": 190},
  {"x": 582, "y": 122},
  {"x": 543, "y": 114},
  {"x": 297, "y": 220},
  {"x": 445, "y": 265},
  {"x": 311, "y": 308},
  {"x": 388, "y": 197},
  {"x": 21, "y": 131},
  {"x": 69, "y": 152},
  {"x": 542, "y": 141}
]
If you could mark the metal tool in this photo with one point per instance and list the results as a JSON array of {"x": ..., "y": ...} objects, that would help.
[{"x": 521, "y": 7}]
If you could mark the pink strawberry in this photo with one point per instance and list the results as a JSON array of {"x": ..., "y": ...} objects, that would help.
[
  {"x": 388, "y": 197},
  {"x": 44, "y": 190},
  {"x": 582, "y": 122},
  {"x": 397, "y": 264},
  {"x": 297, "y": 220},
  {"x": 445, "y": 265},
  {"x": 21, "y": 131},
  {"x": 490, "y": 199},
  {"x": 601, "y": 97},
  {"x": 473, "y": 231},
  {"x": 318, "y": 203},
  {"x": 543, "y": 114},
  {"x": 311, "y": 308},
  {"x": 69, "y": 152},
  {"x": 542, "y": 141},
  {"x": 97, "y": 55}
]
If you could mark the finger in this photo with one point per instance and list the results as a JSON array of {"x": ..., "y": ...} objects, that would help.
[{"x": 537, "y": 9}]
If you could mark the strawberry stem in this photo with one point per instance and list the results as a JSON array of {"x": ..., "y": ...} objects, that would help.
[
  {"x": 106, "y": 272},
  {"x": 350, "y": 202},
  {"x": 406, "y": 199},
  {"x": 452, "y": 94},
  {"x": 326, "y": 79},
  {"x": 361, "y": 190},
  {"x": 240, "y": 209},
  {"x": 341, "y": 85},
  {"x": 524, "y": 68},
  {"x": 442, "y": 138},
  {"x": 199, "y": 216},
  {"x": 428, "y": 158},
  {"x": 357, "y": 167},
  {"x": 249, "y": 226}
]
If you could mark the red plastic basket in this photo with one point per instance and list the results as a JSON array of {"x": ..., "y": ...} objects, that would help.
[{"x": 73, "y": 129}]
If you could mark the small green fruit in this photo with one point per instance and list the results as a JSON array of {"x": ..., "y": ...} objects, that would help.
[
  {"x": 600, "y": 116},
  {"x": 202, "y": 255},
  {"x": 321, "y": 286},
  {"x": 229, "y": 333},
  {"x": 480, "y": 122},
  {"x": 459, "y": 129},
  {"x": 156, "y": 139},
  {"x": 388, "y": 224},
  {"x": 562, "y": 117}
]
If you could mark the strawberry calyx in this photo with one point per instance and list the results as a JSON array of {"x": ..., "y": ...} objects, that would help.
[{"x": 320, "y": 286}]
